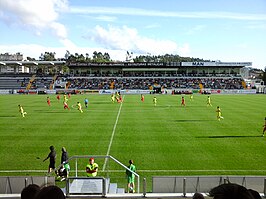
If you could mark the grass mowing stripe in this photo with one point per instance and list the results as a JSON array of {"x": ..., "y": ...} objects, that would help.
[{"x": 112, "y": 137}]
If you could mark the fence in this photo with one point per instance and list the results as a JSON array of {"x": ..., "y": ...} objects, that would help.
[
  {"x": 15, "y": 184},
  {"x": 203, "y": 184}
]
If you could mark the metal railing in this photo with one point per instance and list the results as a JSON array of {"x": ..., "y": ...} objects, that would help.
[
  {"x": 203, "y": 184},
  {"x": 106, "y": 157}
]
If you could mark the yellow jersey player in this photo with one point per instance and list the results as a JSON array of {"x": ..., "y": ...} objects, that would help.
[
  {"x": 209, "y": 101},
  {"x": 79, "y": 107},
  {"x": 154, "y": 101},
  {"x": 21, "y": 110},
  {"x": 219, "y": 113},
  {"x": 65, "y": 100},
  {"x": 113, "y": 98},
  {"x": 117, "y": 94},
  {"x": 191, "y": 97}
]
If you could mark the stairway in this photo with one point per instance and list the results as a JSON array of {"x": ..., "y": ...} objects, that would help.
[
  {"x": 30, "y": 82},
  {"x": 113, "y": 189},
  {"x": 93, "y": 186},
  {"x": 52, "y": 83}
]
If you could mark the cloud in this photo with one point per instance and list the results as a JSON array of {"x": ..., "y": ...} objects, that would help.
[
  {"x": 31, "y": 50},
  {"x": 128, "y": 39},
  {"x": 156, "y": 13},
  {"x": 106, "y": 18},
  {"x": 59, "y": 30},
  {"x": 36, "y": 15}
]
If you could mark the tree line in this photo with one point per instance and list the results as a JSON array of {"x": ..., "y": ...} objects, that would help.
[{"x": 100, "y": 57}]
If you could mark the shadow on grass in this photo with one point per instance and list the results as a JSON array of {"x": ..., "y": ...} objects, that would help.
[
  {"x": 193, "y": 120},
  {"x": 230, "y": 136},
  {"x": 52, "y": 111},
  {"x": 101, "y": 102}
]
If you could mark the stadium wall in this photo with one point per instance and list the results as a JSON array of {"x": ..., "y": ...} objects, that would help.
[{"x": 128, "y": 91}]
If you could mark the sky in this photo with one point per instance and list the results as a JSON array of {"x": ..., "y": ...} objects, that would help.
[{"x": 225, "y": 30}]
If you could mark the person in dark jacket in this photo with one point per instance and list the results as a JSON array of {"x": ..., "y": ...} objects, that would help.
[
  {"x": 64, "y": 169},
  {"x": 64, "y": 157},
  {"x": 52, "y": 156}
]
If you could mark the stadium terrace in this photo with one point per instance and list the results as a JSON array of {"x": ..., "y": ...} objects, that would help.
[{"x": 156, "y": 77}]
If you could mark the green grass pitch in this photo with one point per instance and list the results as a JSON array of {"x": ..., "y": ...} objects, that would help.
[{"x": 164, "y": 140}]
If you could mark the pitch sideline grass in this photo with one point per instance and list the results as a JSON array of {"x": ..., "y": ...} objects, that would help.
[{"x": 163, "y": 140}]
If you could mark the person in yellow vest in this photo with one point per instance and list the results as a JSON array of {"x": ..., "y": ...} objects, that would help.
[{"x": 92, "y": 168}]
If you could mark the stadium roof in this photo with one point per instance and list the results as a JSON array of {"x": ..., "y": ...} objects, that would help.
[
  {"x": 25, "y": 63},
  {"x": 159, "y": 64}
]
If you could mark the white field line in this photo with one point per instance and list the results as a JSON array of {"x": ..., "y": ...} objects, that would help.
[
  {"x": 113, "y": 133},
  {"x": 142, "y": 171}
]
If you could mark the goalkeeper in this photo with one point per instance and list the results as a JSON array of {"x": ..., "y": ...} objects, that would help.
[{"x": 131, "y": 177}]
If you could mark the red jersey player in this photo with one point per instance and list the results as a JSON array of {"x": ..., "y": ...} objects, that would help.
[
  {"x": 66, "y": 105},
  {"x": 142, "y": 98},
  {"x": 48, "y": 101},
  {"x": 117, "y": 99},
  {"x": 183, "y": 101}
]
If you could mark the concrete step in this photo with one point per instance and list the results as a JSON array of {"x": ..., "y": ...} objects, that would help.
[
  {"x": 120, "y": 190},
  {"x": 112, "y": 188}
]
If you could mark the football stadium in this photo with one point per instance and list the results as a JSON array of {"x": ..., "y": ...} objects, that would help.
[{"x": 150, "y": 129}]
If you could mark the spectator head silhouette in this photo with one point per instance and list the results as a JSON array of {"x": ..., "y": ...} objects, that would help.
[
  {"x": 198, "y": 196},
  {"x": 50, "y": 192},
  {"x": 230, "y": 191},
  {"x": 30, "y": 191}
]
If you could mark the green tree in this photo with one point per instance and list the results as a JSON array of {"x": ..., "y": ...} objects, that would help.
[
  {"x": 81, "y": 58},
  {"x": 30, "y": 59},
  {"x": 166, "y": 58},
  {"x": 99, "y": 57},
  {"x": 47, "y": 56},
  {"x": 87, "y": 57}
]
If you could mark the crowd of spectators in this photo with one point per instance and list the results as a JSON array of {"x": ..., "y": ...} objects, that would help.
[
  {"x": 39, "y": 82},
  {"x": 134, "y": 80},
  {"x": 147, "y": 83},
  {"x": 152, "y": 74}
]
